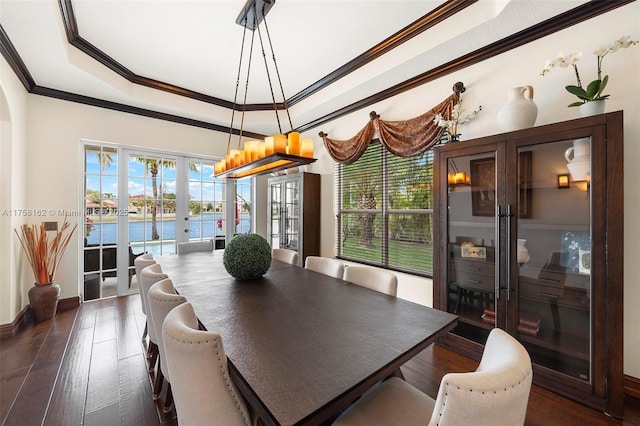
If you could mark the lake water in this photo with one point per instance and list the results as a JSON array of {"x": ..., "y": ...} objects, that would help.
[{"x": 139, "y": 231}]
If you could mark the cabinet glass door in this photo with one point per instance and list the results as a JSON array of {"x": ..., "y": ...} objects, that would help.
[
  {"x": 275, "y": 217},
  {"x": 472, "y": 240},
  {"x": 292, "y": 211},
  {"x": 552, "y": 252}
]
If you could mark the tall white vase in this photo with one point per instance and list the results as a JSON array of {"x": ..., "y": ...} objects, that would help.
[
  {"x": 520, "y": 112},
  {"x": 522, "y": 252}
]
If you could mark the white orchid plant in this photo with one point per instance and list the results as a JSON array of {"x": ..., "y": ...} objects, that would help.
[
  {"x": 451, "y": 125},
  {"x": 594, "y": 89}
]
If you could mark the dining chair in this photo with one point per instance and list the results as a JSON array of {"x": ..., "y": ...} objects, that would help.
[
  {"x": 202, "y": 388},
  {"x": 286, "y": 255},
  {"x": 140, "y": 263},
  {"x": 497, "y": 393},
  {"x": 193, "y": 246},
  {"x": 149, "y": 276},
  {"x": 376, "y": 279},
  {"x": 162, "y": 299},
  {"x": 324, "y": 265}
]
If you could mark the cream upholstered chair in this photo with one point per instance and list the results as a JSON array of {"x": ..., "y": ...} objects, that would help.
[
  {"x": 193, "y": 246},
  {"x": 202, "y": 388},
  {"x": 140, "y": 263},
  {"x": 286, "y": 255},
  {"x": 373, "y": 278},
  {"x": 149, "y": 276},
  {"x": 497, "y": 393},
  {"x": 324, "y": 265},
  {"x": 162, "y": 299}
]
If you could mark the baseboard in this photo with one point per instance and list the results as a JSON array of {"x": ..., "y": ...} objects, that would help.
[
  {"x": 68, "y": 303},
  {"x": 25, "y": 316},
  {"x": 10, "y": 330},
  {"x": 632, "y": 386}
]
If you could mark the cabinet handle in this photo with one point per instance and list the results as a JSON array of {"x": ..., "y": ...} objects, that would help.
[
  {"x": 473, "y": 281},
  {"x": 497, "y": 252},
  {"x": 549, "y": 280},
  {"x": 470, "y": 269},
  {"x": 508, "y": 251}
]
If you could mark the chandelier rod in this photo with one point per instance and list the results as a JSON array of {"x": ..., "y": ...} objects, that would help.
[
  {"x": 266, "y": 67},
  {"x": 246, "y": 84},
  {"x": 273, "y": 55},
  {"x": 235, "y": 96}
]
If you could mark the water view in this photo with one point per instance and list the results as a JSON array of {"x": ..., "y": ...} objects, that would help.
[{"x": 201, "y": 226}]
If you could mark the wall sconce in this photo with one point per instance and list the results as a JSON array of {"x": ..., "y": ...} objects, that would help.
[
  {"x": 563, "y": 181},
  {"x": 459, "y": 178}
]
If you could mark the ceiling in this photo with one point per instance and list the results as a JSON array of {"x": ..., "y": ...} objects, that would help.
[{"x": 179, "y": 59}]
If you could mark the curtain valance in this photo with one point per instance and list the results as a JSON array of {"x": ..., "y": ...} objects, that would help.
[{"x": 402, "y": 138}]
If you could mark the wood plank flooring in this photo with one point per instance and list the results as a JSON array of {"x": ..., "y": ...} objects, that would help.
[{"x": 88, "y": 366}]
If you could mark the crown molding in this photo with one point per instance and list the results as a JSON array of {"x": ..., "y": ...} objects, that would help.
[{"x": 572, "y": 17}]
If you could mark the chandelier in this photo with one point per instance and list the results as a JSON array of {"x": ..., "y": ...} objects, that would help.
[{"x": 274, "y": 153}]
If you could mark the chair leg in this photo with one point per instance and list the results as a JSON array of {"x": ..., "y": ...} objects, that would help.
[
  {"x": 153, "y": 355},
  {"x": 157, "y": 385},
  {"x": 166, "y": 408}
]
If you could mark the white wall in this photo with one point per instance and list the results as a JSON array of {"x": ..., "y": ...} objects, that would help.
[
  {"x": 487, "y": 84},
  {"x": 13, "y": 142},
  {"x": 56, "y": 127}
]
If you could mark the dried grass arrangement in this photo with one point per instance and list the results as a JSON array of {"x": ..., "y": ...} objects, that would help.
[{"x": 43, "y": 253}]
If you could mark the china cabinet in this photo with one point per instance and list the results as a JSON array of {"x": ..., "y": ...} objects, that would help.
[
  {"x": 294, "y": 213},
  {"x": 516, "y": 249}
]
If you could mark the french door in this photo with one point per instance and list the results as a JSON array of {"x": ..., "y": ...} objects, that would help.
[{"x": 146, "y": 202}]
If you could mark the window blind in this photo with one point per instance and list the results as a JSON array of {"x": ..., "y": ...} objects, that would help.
[{"x": 384, "y": 210}]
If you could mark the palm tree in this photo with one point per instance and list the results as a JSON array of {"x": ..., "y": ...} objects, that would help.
[
  {"x": 366, "y": 190},
  {"x": 152, "y": 166}
]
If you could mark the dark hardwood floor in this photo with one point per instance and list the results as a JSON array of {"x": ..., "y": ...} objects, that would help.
[{"x": 88, "y": 366}]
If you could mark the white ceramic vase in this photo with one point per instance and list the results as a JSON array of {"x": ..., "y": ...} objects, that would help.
[
  {"x": 520, "y": 112},
  {"x": 588, "y": 109},
  {"x": 522, "y": 252}
]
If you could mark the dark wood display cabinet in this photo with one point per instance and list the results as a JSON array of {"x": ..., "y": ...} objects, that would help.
[
  {"x": 294, "y": 213},
  {"x": 517, "y": 248}
]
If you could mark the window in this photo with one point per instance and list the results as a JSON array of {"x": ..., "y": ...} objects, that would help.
[{"x": 385, "y": 215}]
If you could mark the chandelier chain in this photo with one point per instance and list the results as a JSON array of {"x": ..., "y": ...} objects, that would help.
[
  {"x": 275, "y": 64},
  {"x": 235, "y": 96},
  {"x": 246, "y": 84},
  {"x": 266, "y": 67}
]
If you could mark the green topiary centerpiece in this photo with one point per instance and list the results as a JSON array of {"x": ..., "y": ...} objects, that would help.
[{"x": 247, "y": 257}]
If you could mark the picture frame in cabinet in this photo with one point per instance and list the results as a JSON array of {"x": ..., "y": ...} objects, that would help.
[
  {"x": 483, "y": 186},
  {"x": 483, "y": 193}
]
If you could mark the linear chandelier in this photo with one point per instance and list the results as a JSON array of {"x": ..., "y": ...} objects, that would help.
[{"x": 277, "y": 152}]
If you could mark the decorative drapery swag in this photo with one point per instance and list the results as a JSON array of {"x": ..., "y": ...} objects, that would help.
[{"x": 402, "y": 138}]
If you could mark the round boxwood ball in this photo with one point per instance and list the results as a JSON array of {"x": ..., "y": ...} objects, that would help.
[{"x": 247, "y": 257}]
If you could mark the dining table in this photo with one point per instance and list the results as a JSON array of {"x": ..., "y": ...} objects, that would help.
[{"x": 302, "y": 346}]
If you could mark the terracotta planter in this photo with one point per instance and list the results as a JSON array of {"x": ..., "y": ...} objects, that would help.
[{"x": 43, "y": 299}]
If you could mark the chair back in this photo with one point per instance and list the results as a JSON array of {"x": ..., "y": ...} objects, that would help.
[
  {"x": 149, "y": 276},
  {"x": 202, "y": 388},
  {"x": 376, "y": 279},
  {"x": 192, "y": 246},
  {"x": 140, "y": 263},
  {"x": 162, "y": 299},
  {"x": 324, "y": 265},
  {"x": 286, "y": 255},
  {"x": 496, "y": 393}
]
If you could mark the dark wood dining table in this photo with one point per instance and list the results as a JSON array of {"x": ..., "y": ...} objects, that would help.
[{"x": 301, "y": 345}]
